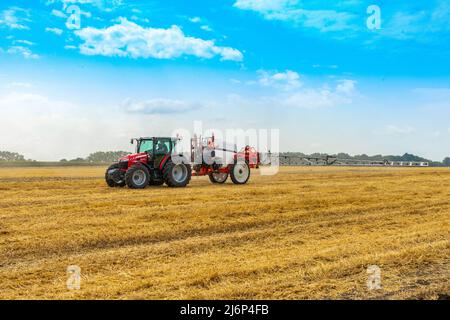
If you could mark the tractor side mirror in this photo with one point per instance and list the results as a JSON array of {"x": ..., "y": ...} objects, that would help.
[{"x": 132, "y": 141}]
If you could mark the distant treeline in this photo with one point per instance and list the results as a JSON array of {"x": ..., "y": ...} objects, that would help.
[
  {"x": 99, "y": 157},
  {"x": 94, "y": 158},
  {"x": 112, "y": 156},
  {"x": 11, "y": 156}
]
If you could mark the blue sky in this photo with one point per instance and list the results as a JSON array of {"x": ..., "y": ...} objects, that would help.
[{"x": 312, "y": 69}]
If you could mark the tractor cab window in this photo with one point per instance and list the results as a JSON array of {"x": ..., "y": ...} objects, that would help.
[
  {"x": 146, "y": 146},
  {"x": 163, "y": 147}
]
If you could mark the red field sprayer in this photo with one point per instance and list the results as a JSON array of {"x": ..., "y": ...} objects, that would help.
[{"x": 157, "y": 161}]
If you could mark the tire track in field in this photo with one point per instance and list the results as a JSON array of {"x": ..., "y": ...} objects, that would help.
[{"x": 318, "y": 219}]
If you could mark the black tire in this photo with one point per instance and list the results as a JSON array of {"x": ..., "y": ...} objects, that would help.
[
  {"x": 137, "y": 177},
  {"x": 240, "y": 172},
  {"x": 214, "y": 178},
  {"x": 172, "y": 176},
  {"x": 110, "y": 182}
]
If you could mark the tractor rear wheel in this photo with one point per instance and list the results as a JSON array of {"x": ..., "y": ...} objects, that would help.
[
  {"x": 137, "y": 177},
  {"x": 110, "y": 182},
  {"x": 240, "y": 172},
  {"x": 218, "y": 177},
  {"x": 177, "y": 175}
]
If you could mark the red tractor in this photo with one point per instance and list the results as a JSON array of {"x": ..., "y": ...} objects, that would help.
[{"x": 157, "y": 162}]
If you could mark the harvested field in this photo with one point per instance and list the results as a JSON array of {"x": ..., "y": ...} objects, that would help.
[{"x": 306, "y": 233}]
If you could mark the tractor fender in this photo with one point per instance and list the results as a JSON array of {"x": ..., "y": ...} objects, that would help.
[
  {"x": 176, "y": 159},
  {"x": 139, "y": 163}
]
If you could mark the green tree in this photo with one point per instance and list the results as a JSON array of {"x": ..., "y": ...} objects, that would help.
[
  {"x": 446, "y": 162},
  {"x": 107, "y": 157},
  {"x": 11, "y": 156}
]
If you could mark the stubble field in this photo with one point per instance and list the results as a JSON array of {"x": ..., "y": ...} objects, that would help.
[{"x": 306, "y": 233}]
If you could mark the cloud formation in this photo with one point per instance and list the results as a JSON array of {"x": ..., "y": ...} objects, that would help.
[
  {"x": 291, "y": 11},
  {"x": 128, "y": 39},
  {"x": 324, "y": 97},
  {"x": 56, "y": 31},
  {"x": 101, "y": 4},
  {"x": 422, "y": 25},
  {"x": 287, "y": 80},
  {"x": 15, "y": 18},
  {"x": 22, "y": 51},
  {"x": 292, "y": 93},
  {"x": 398, "y": 22},
  {"x": 158, "y": 106}
]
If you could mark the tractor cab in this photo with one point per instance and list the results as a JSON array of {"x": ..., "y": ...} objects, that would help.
[
  {"x": 154, "y": 145},
  {"x": 156, "y": 148}
]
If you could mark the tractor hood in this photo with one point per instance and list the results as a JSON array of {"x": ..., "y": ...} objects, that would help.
[{"x": 134, "y": 157}]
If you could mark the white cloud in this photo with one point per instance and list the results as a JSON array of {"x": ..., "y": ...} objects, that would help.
[
  {"x": 56, "y": 31},
  {"x": 103, "y": 4},
  {"x": 86, "y": 14},
  {"x": 404, "y": 25},
  {"x": 265, "y": 5},
  {"x": 26, "y": 42},
  {"x": 322, "y": 97},
  {"x": 158, "y": 106},
  {"x": 23, "y": 51},
  {"x": 195, "y": 19},
  {"x": 138, "y": 19},
  {"x": 292, "y": 11},
  {"x": 128, "y": 39},
  {"x": 312, "y": 98},
  {"x": 292, "y": 93},
  {"x": 346, "y": 86},
  {"x": 14, "y": 18},
  {"x": 58, "y": 13},
  {"x": 287, "y": 80},
  {"x": 423, "y": 26},
  {"x": 206, "y": 28}
]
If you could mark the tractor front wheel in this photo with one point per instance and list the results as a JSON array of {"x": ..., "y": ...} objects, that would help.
[
  {"x": 109, "y": 180},
  {"x": 177, "y": 175},
  {"x": 137, "y": 177},
  {"x": 240, "y": 172}
]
